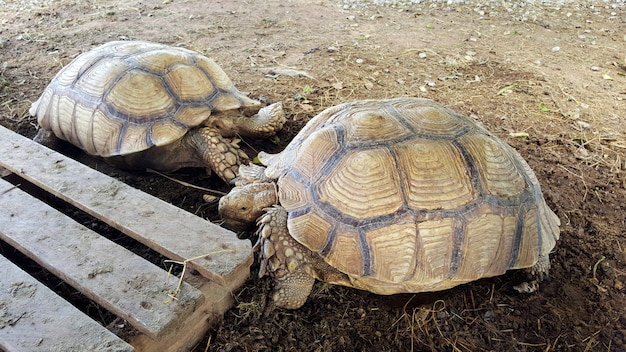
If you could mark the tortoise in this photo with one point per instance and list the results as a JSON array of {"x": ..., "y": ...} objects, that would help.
[
  {"x": 391, "y": 196},
  {"x": 148, "y": 105}
]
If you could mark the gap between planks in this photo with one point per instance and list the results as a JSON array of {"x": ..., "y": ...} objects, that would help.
[{"x": 169, "y": 230}]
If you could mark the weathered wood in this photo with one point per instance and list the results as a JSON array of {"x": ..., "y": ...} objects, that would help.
[
  {"x": 35, "y": 319},
  {"x": 112, "y": 276},
  {"x": 163, "y": 227},
  {"x": 196, "y": 325}
]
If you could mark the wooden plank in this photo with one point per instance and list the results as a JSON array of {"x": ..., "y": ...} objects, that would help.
[
  {"x": 35, "y": 319},
  {"x": 120, "y": 281},
  {"x": 187, "y": 337},
  {"x": 163, "y": 227}
]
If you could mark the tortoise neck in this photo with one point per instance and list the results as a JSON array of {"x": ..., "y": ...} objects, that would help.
[{"x": 266, "y": 194}]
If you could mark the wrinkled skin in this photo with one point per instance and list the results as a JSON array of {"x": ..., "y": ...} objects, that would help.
[
  {"x": 293, "y": 267},
  {"x": 243, "y": 205},
  {"x": 265, "y": 123}
]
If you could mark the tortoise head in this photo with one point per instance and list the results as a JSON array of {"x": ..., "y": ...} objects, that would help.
[
  {"x": 243, "y": 205},
  {"x": 223, "y": 123}
]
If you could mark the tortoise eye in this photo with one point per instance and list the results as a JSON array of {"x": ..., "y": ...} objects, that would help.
[{"x": 243, "y": 208}]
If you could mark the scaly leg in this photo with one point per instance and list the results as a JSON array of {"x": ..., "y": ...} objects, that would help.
[
  {"x": 218, "y": 153},
  {"x": 285, "y": 260}
]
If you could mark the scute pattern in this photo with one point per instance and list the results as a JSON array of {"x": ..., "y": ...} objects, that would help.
[
  {"x": 395, "y": 248},
  {"x": 159, "y": 61},
  {"x": 497, "y": 170},
  {"x": 349, "y": 255},
  {"x": 310, "y": 162},
  {"x": 135, "y": 86},
  {"x": 436, "y": 177},
  {"x": 364, "y": 184},
  {"x": 367, "y": 128},
  {"x": 475, "y": 208},
  {"x": 434, "y": 255},
  {"x": 315, "y": 227},
  {"x": 480, "y": 251},
  {"x": 98, "y": 79},
  {"x": 125, "y": 97},
  {"x": 432, "y": 121}
]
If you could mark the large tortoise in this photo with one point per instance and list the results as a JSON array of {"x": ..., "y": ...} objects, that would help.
[
  {"x": 148, "y": 105},
  {"x": 392, "y": 196}
]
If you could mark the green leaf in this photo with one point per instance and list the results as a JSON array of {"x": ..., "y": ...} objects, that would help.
[
  {"x": 275, "y": 139},
  {"x": 543, "y": 107},
  {"x": 506, "y": 89},
  {"x": 256, "y": 161},
  {"x": 307, "y": 89}
]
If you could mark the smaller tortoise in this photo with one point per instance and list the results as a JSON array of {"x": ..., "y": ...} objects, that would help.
[
  {"x": 392, "y": 196},
  {"x": 147, "y": 105}
]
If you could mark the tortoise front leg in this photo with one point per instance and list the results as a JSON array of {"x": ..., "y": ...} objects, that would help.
[
  {"x": 285, "y": 260},
  {"x": 218, "y": 153},
  {"x": 266, "y": 123}
]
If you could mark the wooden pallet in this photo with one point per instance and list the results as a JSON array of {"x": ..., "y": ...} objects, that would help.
[{"x": 33, "y": 318}]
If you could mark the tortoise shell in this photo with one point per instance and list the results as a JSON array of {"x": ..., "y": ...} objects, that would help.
[
  {"x": 404, "y": 195},
  {"x": 125, "y": 97}
]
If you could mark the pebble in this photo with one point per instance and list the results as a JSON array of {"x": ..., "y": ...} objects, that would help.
[
  {"x": 524, "y": 11},
  {"x": 422, "y": 55},
  {"x": 359, "y": 61},
  {"x": 583, "y": 124},
  {"x": 556, "y": 48},
  {"x": 595, "y": 68}
]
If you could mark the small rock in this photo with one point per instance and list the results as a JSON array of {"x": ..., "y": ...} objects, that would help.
[
  {"x": 527, "y": 287},
  {"x": 361, "y": 313},
  {"x": 583, "y": 124},
  {"x": 359, "y": 61},
  {"x": 556, "y": 48},
  {"x": 332, "y": 49},
  {"x": 489, "y": 315},
  {"x": 595, "y": 68},
  {"x": 422, "y": 55}
]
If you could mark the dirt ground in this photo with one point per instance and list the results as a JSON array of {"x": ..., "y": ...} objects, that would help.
[{"x": 548, "y": 79}]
